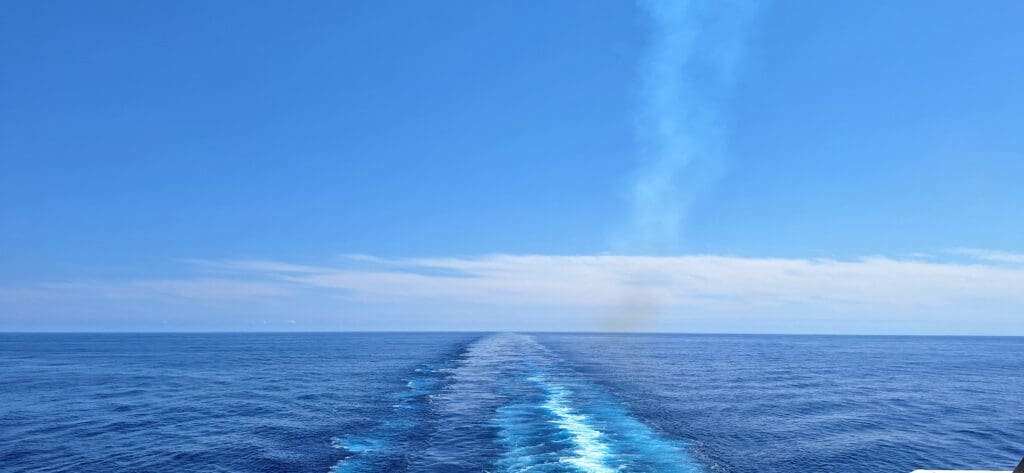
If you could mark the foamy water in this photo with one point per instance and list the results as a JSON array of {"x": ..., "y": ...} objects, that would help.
[{"x": 506, "y": 395}]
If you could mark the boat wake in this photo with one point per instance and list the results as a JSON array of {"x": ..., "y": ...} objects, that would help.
[{"x": 506, "y": 403}]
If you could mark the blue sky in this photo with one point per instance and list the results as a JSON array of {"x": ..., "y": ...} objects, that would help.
[{"x": 836, "y": 167}]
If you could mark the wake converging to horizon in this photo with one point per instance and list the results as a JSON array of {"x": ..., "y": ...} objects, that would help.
[{"x": 517, "y": 407}]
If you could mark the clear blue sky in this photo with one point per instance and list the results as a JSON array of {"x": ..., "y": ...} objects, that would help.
[{"x": 143, "y": 143}]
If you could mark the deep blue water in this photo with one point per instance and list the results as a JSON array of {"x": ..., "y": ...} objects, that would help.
[{"x": 508, "y": 403}]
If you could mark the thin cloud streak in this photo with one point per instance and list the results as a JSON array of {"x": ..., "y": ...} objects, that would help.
[
  {"x": 991, "y": 255},
  {"x": 195, "y": 289}
]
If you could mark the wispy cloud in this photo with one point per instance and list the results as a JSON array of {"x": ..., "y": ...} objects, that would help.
[
  {"x": 197, "y": 289},
  {"x": 991, "y": 255},
  {"x": 706, "y": 280},
  {"x": 600, "y": 285},
  {"x": 594, "y": 281}
]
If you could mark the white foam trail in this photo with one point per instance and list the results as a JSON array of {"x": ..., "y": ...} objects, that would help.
[
  {"x": 689, "y": 68},
  {"x": 592, "y": 453}
]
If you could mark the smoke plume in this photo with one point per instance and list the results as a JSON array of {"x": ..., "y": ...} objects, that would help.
[{"x": 685, "y": 78}]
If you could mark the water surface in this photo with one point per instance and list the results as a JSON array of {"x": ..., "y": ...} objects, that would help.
[{"x": 508, "y": 402}]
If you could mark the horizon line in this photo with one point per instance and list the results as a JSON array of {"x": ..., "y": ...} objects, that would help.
[{"x": 563, "y": 332}]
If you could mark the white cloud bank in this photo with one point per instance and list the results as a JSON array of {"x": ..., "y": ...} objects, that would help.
[{"x": 645, "y": 292}]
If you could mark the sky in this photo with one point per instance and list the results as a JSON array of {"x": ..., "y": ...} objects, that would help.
[{"x": 728, "y": 166}]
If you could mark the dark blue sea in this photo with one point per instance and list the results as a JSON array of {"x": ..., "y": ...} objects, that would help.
[{"x": 469, "y": 402}]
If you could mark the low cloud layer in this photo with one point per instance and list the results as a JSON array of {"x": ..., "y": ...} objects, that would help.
[{"x": 605, "y": 291}]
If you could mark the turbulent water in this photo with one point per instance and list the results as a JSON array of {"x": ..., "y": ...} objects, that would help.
[{"x": 508, "y": 403}]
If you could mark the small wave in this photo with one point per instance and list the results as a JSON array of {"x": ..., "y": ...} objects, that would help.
[{"x": 384, "y": 448}]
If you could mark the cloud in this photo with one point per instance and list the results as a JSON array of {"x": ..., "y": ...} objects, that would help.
[
  {"x": 991, "y": 255},
  {"x": 710, "y": 281},
  {"x": 197, "y": 289},
  {"x": 620, "y": 292}
]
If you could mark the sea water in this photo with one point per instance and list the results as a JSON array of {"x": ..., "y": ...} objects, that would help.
[{"x": 471, "y": 402}]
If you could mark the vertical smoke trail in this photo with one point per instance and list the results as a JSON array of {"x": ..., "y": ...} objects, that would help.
[
  {"x": 687, "y": 73},
  {"x": 685, "y": 77}
]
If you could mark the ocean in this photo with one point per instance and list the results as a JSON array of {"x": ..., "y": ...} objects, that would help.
[{"x": 505, "y": 402}]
